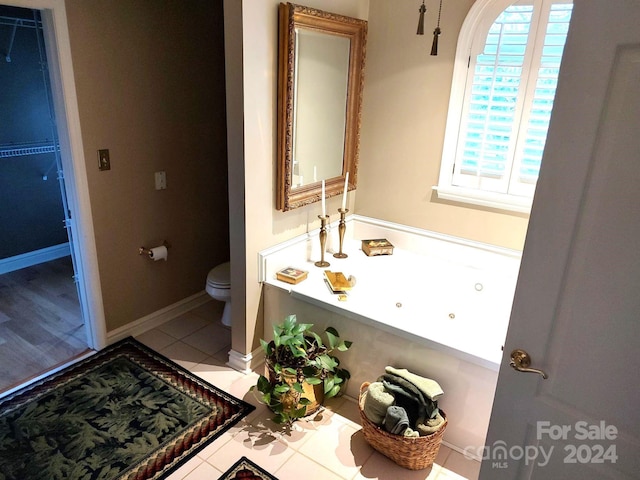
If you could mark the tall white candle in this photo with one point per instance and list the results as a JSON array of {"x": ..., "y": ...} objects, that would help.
[
  {"x": 324, "y": 207},
  {"x": 344, "y": 194}
]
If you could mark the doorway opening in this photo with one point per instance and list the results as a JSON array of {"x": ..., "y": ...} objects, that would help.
[{"x": 42, "y": 323}]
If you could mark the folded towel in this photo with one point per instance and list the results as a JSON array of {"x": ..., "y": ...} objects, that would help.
[
  {"x": 376, "y": 401},
  {"x": 396, "y": 420},
  {"x": 430, "y": 426},
  {"x": 428, "y": 387},
  {"x": 418, "y": 405},
  {"x": 411, "y": 433},
  {"x": 413, "y": 405}
]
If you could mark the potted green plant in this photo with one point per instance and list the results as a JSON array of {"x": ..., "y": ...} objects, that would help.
[{"x": 301, "y": 370}]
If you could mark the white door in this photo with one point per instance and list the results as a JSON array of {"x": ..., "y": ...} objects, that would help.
[{"x": 577, "y": 305}]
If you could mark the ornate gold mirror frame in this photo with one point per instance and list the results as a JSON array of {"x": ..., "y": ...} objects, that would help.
[{"x": 296, "y": 23}]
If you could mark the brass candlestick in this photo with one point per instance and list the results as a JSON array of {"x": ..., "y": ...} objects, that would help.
[
  {"x": 341, "y": 229},
  {"x": 323, "y": 240}
]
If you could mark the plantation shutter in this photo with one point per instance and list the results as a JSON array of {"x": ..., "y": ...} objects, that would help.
[{"x": 511, "y": 83}]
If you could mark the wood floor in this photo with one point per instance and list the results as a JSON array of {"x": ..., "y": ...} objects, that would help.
[{"x": 41, "y": 325}]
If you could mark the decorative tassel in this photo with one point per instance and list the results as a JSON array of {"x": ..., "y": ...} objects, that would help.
[
  {"x": 434, "y": 45},
  {"x": 423, "y": 10},
  {"x": 436, "y": 33}
]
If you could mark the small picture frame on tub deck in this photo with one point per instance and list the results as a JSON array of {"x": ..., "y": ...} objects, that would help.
[
  {"x": 377, "y": 246},
  {"x": 291, "y": 275}
]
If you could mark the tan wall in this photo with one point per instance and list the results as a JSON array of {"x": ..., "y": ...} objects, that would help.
[
  {"x": 264, "y": 226},
  {"x": 406, "y": 101},
  {"x": 150, "y": 86}
]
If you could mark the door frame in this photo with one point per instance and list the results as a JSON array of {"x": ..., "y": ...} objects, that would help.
[{"x": 59, "y": 60}]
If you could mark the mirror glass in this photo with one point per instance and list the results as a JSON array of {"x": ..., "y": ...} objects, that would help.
[
  {"x": 319, "y": 126},
  {"x": 320, "y": 82}
]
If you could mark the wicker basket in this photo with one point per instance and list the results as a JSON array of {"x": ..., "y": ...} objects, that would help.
[{"x": 413, "y": 453}]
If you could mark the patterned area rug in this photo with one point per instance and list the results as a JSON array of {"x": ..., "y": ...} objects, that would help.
[
  {"x": 245, "y": 469},
  {"x": 126, "y": 412}
]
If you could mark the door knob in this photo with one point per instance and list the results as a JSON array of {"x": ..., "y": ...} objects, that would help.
[{"x": 521, "y": 361}]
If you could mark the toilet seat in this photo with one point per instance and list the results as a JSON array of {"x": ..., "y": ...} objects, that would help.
[
  {"x": 220, "y": 277},
  {"x": 218, "y": 287}
]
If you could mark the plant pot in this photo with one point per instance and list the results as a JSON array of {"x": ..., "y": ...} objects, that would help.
[{"x": 314, "y": 393}]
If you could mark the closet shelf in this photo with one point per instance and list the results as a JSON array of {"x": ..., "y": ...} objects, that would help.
[
  {"x": 7, "y": 151},
  {"x": 20, "y": 22}
]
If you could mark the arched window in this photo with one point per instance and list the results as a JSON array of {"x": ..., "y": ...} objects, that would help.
[{"x": 504, "y": 82}]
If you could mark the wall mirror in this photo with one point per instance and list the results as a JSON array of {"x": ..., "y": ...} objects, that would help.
[{"x": 320, "y": 83}]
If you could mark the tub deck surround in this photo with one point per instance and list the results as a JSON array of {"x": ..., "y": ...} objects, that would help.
[
  {"x": 452, "y": 295},
  {"x": 468, "y": 388}
]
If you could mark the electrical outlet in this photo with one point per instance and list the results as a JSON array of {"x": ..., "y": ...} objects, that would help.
[
  {"x": 161, "y": 180},
  {"x": 104, "y": 163}
]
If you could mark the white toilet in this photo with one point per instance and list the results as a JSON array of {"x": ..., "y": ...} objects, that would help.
[{"x": 219, "y": 288}]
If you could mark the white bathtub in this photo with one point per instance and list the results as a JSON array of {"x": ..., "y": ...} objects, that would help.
[
  {"x": 460, "y": 309},
  {"x": 451, "y": 294},
  {"x": 438, "y": 306}
]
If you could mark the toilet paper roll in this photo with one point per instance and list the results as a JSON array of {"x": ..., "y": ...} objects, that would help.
[{"x": 159, "y": 253}]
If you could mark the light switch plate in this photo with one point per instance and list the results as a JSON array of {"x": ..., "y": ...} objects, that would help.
[{"x": 104, "y": 163}]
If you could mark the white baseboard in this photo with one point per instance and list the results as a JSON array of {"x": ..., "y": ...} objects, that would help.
[
  {"x": 246, "y": 363},
  {"x": 238, "y": 361},
  {"x": 158, "y": 318},
  {"x": 469, "y": 453},
  {"x": 29, "y": 259}
]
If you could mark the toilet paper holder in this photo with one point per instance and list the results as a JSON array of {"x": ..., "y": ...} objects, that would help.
[{"x": 147, "y": 251}]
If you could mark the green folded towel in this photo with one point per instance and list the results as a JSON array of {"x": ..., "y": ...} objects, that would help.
[
  {"x": 376, "y": 401},
  {"x": 396, "y": 420},
  {"x": 428, "y": 387},
  {"x": 407, "y": 396},
  {"x": 410, "y": 397}
]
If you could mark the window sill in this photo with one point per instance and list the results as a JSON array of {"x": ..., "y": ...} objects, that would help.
[{"x": 498, "y": 201}]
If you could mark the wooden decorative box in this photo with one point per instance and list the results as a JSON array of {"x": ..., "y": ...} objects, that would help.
[
  {"x": 291, "y": 275},
  {"x": 377, "y": 246}
]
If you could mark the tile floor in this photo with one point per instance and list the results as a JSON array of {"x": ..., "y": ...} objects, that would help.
[{"x": 327, "y": 447}]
